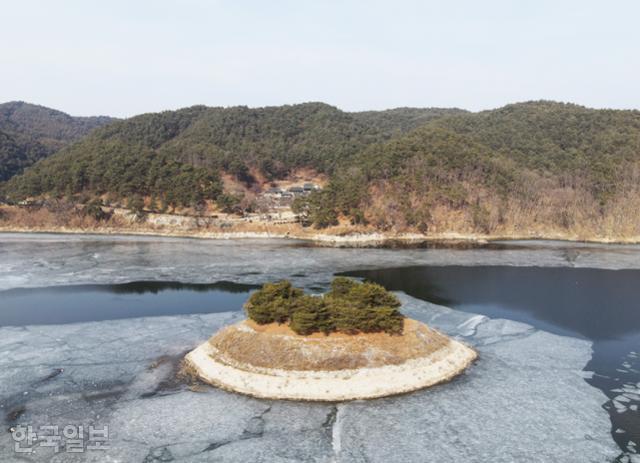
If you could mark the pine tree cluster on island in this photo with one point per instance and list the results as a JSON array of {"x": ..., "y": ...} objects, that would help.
[{"x": 349, "y": 307}]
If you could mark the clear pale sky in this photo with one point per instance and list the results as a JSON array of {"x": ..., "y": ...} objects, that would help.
[{"x": 122, "y": 58}]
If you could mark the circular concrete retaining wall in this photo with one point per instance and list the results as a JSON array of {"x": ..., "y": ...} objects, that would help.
[{"x": 218, "y": 369}]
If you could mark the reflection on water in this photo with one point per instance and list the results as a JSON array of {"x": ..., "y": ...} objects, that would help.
[
  {"x": 600, "y": 305},
  {"x": 82, "y": 303},
  {"x": 155, "y": 287}
]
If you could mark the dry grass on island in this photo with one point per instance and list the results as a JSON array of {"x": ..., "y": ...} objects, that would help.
[
  {"x": 281, "y": 348},
  {"x": 350, "y": 343}
]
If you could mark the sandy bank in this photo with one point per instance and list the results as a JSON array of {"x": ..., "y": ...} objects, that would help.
[{"x": 419, "y": 358}]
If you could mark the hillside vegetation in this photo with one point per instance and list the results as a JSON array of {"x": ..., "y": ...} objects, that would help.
[
  {"x": 536, "y": 166},
  {"x": 177, "y": 156},
  {"x": 29, "y": 133}
]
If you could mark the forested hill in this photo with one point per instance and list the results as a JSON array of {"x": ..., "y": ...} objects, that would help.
[
  {"x": 400, "y": 120},
  {"x": 527, "y": 166},
  {"x": 29, "y": 133},
  {"x": 177, "y": 156}
]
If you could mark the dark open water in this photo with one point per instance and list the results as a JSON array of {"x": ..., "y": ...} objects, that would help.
[
  {"x": 599, "y": 305},
  {"x": 84, "y": 303}
]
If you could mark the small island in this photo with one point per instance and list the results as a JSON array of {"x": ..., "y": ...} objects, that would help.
[{"x": 350, "y": 343}]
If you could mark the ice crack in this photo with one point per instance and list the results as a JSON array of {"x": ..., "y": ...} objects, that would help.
[{"x": 333, "y": 424}]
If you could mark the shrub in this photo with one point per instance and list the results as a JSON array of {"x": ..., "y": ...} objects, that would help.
[
  {"x": 340, "y": 286},
  {"x": 136, "y": 204},
  {"x": 349, "y": 307},
  {"x": 364, "y": 295},
  {"x": 94, "y": 210},
  {"x": 310, "y": 314},
  {"x": 350, "y": 318},
  {"x": 272, "y": 303},
  {"x": 228, "y": 203}
]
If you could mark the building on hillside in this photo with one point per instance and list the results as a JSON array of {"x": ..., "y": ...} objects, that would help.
[{"x": 274, "y": 192}]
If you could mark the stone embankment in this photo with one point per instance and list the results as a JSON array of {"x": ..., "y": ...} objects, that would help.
[{"x": 272, "y": 362}]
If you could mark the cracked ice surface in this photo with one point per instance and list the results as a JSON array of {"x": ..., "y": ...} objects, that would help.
[
  {"x": 28, "y": 260},
  {"x": 524, "y": 400}
]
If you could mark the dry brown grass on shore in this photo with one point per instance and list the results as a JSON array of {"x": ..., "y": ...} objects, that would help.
[
  {"x": 276, "y": 346},
  {"x": 14, "y": 218},
  {"x": 617, "y": 227}
]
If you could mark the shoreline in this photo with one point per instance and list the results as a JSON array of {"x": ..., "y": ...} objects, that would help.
[
  {"x": 420, "y": 358},
  {"x": 327, "y": 386},
  {"x": 355, "y": 239}
]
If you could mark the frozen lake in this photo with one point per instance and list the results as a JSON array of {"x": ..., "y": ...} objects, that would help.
[
  {"x": 525, "y": 399},
  {"x": 602, "y": 306}
]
